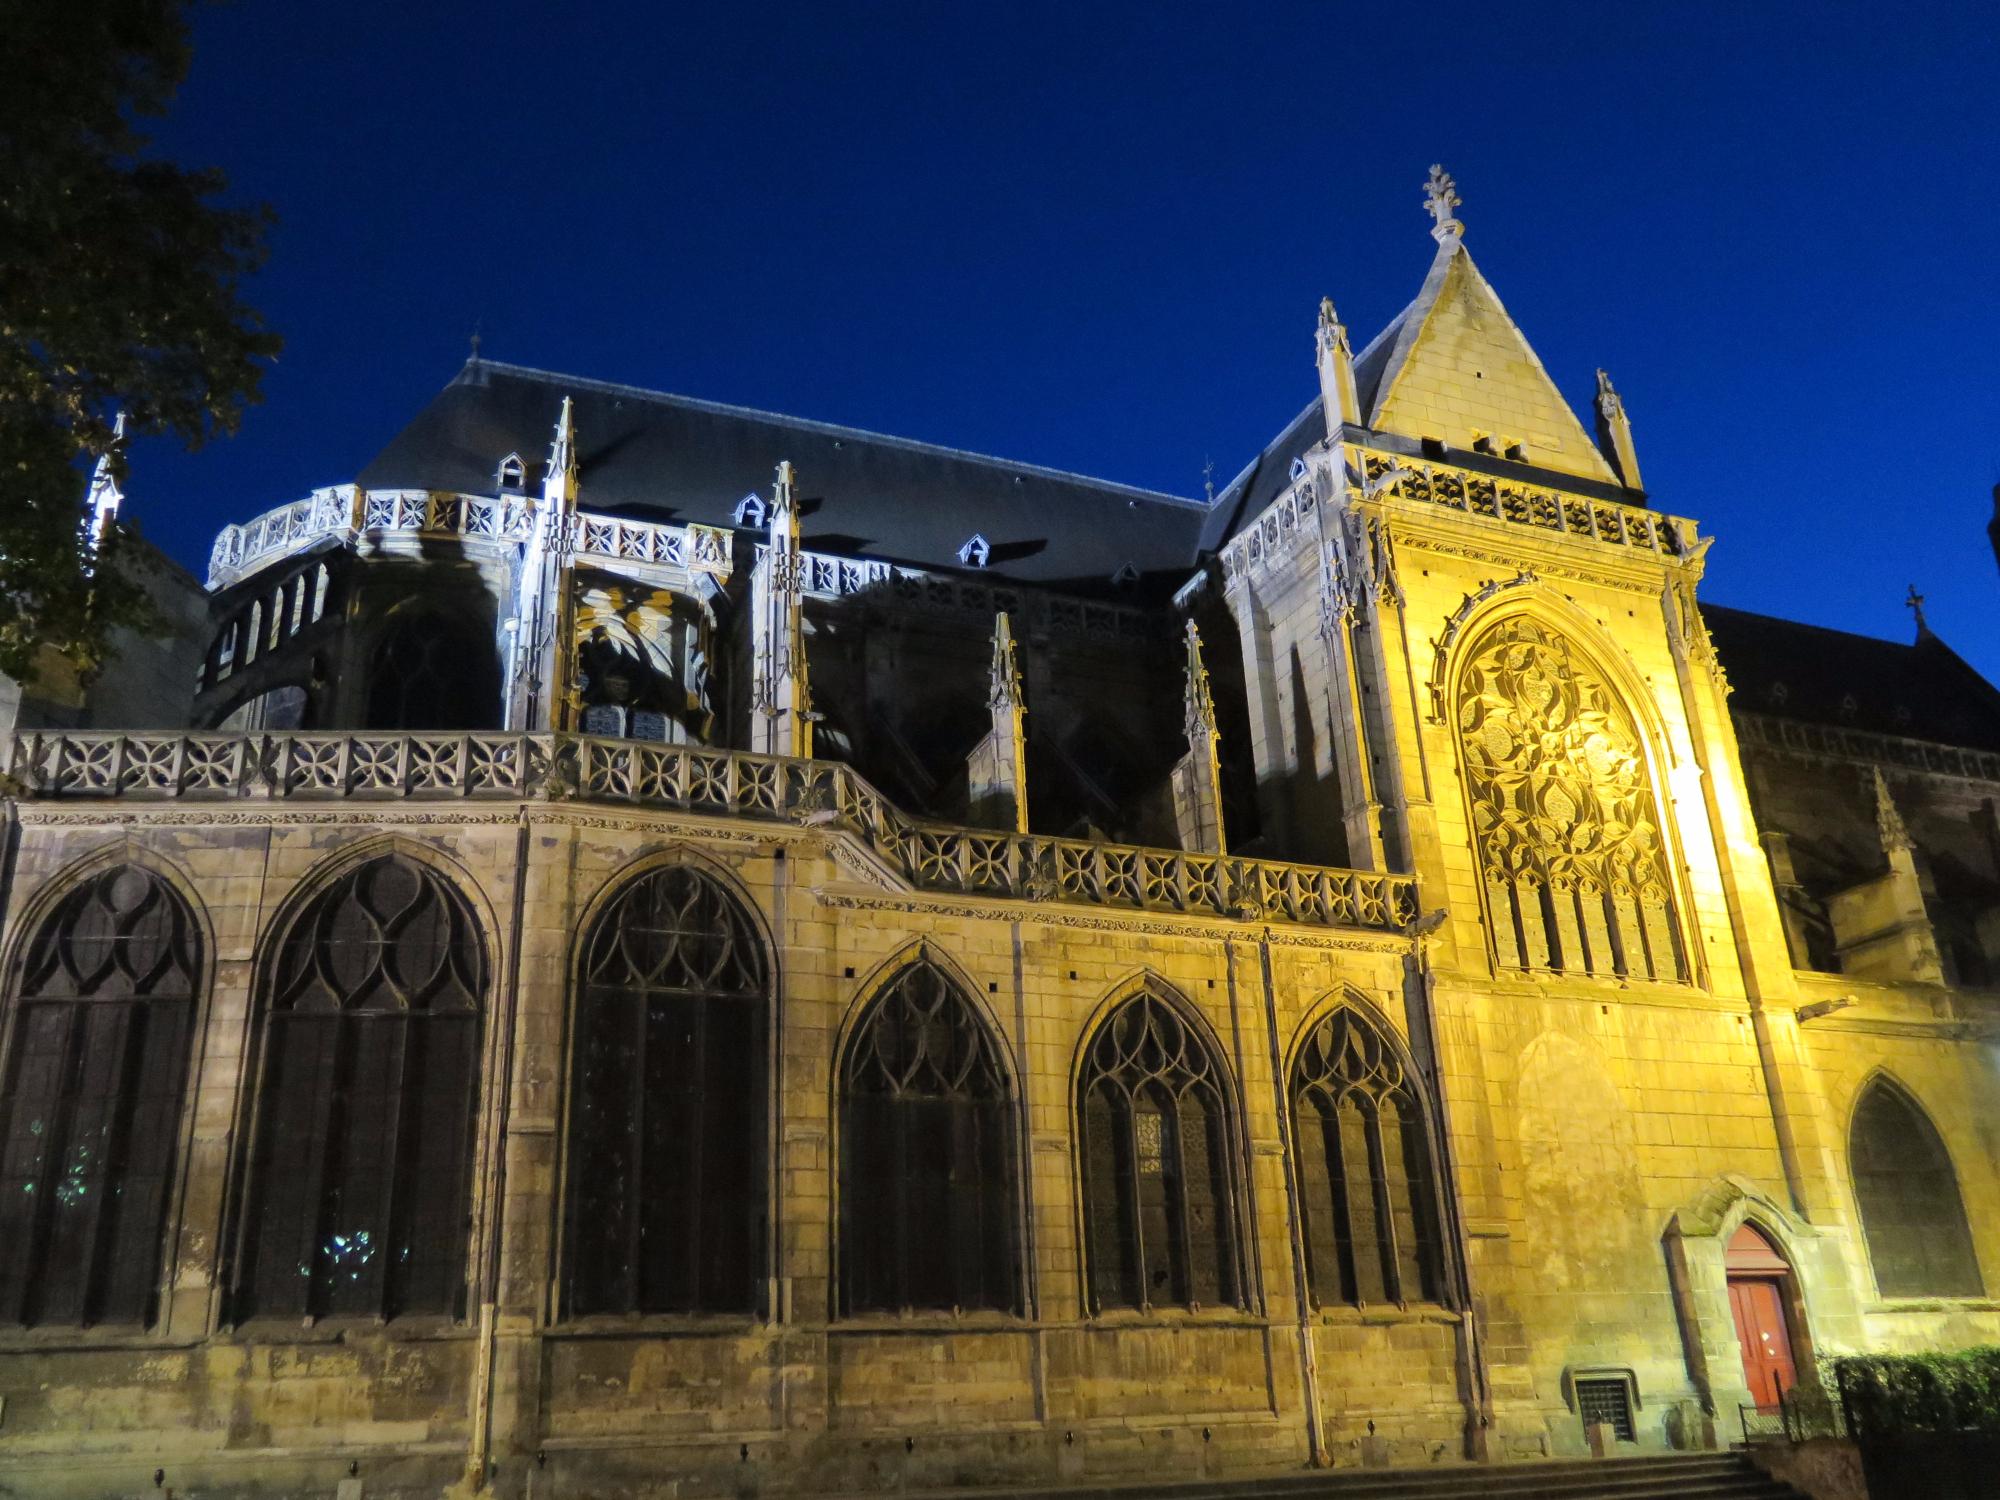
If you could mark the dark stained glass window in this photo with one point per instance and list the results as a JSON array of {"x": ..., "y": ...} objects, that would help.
[
  {"x": 927, "y": 1196},
  {"x": 359, "y": 1189},
  {"x": 1159, "y": 1214},
  {"x": 666, "y": 1192},
  {"x": 1911, "y": 1212},
  {"x": 428, "y": 672},
  {"x": 1365, "y": 1192},
  {"x": 96, "y": 1069}
]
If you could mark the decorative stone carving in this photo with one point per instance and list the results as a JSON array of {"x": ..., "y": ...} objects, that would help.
[{"x": 1569, "y": 837}]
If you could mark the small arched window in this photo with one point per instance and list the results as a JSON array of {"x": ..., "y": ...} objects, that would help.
[
  {"x": 1571, "y": 847},
  {"x": 1365, "y": 1191},
  {"x": 927, "y": 1197},
  {"x": 427, "y": 672},
  {"x": 97, "y": 1066},
  {"x": 666, "y": 1191},
  {"x": 358, "y": 1195},
  {"x": 1911, "y": 1212},
  {"x": 1159, "y": 1214}
]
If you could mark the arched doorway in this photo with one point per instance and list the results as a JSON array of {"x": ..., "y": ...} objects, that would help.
[{"x": 1758, "y": 1277}]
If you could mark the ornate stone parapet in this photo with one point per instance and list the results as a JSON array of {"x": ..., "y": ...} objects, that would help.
[
  {"x": 1864, "y": 747},
  {"x": 210, "y": 769},
  {"x": 1605, "y": 522},
  {"x": 347, "y": 511}
]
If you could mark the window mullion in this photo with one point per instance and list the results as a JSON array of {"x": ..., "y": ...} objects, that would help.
[
  {"x": 1385, "y": 1215},
  {"x": 1182, "y": 1227},
  {"x": 62, "y": 1110},
  {"x": 695, "y": 1082},
  {"x": 900, "y": 1132},
  {"x": 104, "y": 1233},
  {"x": 1339, "y": 1185},
  {"x": 335, "y": 1034},
  {"x": 641, "y": 1021},
  {"x": 1128, "y": 1123},
  {"x": 395, "y": 1099}
]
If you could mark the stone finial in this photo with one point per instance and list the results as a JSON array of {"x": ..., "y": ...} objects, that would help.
[
  {"x": 1441, "y": 197},
  {"x": 559, "y": 480},
  {"x": 784, "y": 508},
  {"x": 105, "y": 496},
  {"x": 1197, "y": 776},
  {"x": 1003, "y": 688},
  {"x": 1200, "y": 704},
  {"x": 1614, "y": 433},
  {"x": 1338, "y": 394},
  {"x": 1889, "y": 825}
]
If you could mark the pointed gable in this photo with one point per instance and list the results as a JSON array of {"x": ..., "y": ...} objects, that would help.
[{"x": 1454, "y": 367}]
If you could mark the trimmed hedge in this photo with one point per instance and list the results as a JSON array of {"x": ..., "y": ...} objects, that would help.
[{"x": 1886, "y": 1394}]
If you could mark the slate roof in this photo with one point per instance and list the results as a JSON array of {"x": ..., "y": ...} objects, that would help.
[
  {"x": 1786, "y": 670},
  {"x": 646, "y": 454}
]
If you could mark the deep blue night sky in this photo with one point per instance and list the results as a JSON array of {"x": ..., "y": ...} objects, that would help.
[{"x": 1095, "y": 237}]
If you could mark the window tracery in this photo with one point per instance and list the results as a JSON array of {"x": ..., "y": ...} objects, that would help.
[
  {"x": 1159, "y": 1214},
  {"x": 666, "y": 1190},
  {"x": 428, "y": 672},
  {"x": 1368, "y": 1210},
  {"x": 359, "y": 1187},
  {"x": 1571, "y": 849},
  {"x": 927, "y": 1155},
  {"x": 90, "y": 1111},
  {"x": 1911, "y": 1213}
]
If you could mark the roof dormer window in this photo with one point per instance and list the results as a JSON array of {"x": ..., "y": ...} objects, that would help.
[
  {"x": 1126, "y": 577},
  {"x": 976, "y": 552},
  {"x": 751, "y": 511},
  {"x": 513, "y": 474}
]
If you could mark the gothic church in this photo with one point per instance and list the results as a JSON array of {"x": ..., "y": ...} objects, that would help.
[{"x": 681, "y": 951}]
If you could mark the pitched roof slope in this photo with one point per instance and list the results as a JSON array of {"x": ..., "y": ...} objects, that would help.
[
  {"x": 651, "y": 455},
  {"x": 1454, "y": 363},
  {"x": 1807, "y": 673}
]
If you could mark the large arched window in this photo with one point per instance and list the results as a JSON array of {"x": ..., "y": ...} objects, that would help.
[
  {"x": 1159, "y": 1214},
  {"x": 359, "y": 1187},
  {"x": 1571, "y": 850},
  {"x": 926, "y": 1156},
  {"x": 429, "y": 672},
  {"x": 666, "y": 1190},
  {"x": 1368, "y": 1210},
  {"x": 97, "y": 1063},
  {"x": 1911, "y": 1213}
]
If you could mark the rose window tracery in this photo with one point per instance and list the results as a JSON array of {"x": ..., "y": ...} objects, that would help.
[{"x": 1564, "y": 821}]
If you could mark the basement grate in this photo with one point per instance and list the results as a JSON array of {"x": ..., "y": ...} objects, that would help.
[{"x": 1608, "y": 1402}]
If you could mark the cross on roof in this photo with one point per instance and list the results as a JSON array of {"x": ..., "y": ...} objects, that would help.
[
  {"x": 1915, "y": 604},
  {"x": 1441, "y": 197}
]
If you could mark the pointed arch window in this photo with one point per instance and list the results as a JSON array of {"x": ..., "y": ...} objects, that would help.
[
  {"x": 428, "y": 672},
  {"x": 1368, "y": 1210},
  {"x": 666, "y": 1207},
  {"x": 1911, "y": 1212},
  {"x": 359, "y": 1188},
  {"x": 1159, "y": 1203},
  {"x": 97, "y": 1061},
  {"x": 927, "y": 1179},
  {"x": 1571, "y": 850}
]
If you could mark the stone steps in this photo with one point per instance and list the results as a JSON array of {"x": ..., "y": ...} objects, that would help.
[{"x": 1701, "y": 1476}]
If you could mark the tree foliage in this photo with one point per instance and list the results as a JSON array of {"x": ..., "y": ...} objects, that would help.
[{"x": 120, "y": 280}]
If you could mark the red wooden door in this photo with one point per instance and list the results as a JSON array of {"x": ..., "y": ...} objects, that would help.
[{"x": 1767, "y": 1343}]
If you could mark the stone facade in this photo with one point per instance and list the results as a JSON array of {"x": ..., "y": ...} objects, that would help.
[{"x": 1465, "y": 780}]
